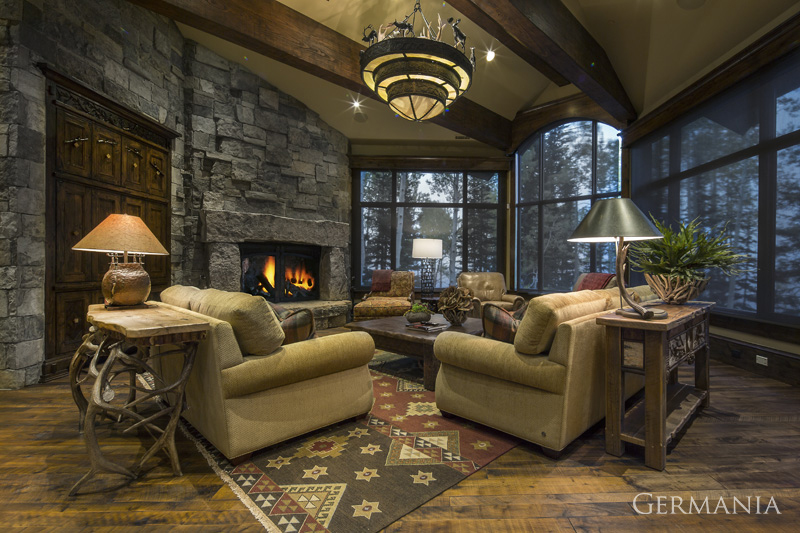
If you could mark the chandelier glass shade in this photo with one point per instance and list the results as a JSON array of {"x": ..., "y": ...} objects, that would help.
[{"x": 418, "y": 77}]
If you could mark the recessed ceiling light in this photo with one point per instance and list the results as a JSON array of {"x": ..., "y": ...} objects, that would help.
[{"x": 489, "y": 55}]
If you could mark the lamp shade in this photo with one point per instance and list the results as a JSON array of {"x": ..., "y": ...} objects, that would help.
[
  {"x": 612, "y": 218},
  {"x": 426, "y": 249},
  {"x": 121, "y": 233}
]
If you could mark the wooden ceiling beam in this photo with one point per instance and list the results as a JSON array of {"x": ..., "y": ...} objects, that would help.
[
  {"x": 281, "y": 33},
  {"x": 548, "y": 30}
]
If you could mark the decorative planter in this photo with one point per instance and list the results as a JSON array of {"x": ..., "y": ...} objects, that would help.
[
  {"x": 674, "y": 290},
  {"x": 455, "y": 316},
  {"x": 417, "y": 317}
]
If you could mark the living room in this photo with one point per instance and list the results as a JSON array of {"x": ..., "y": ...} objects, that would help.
[{"x": 249, "y": 124}]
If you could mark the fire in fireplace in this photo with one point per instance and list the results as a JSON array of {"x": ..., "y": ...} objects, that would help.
[{"x": 280, "y": 272}]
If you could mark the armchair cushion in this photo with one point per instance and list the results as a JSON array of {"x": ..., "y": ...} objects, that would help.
[
  {"x": 485, "y": 286},
  {"x": 538, "y": 327},
  {"x": 256, "y": 327},
  {"x": 402, "y": 285},
  {"x": 179, "y": 295},
  {"x": 501, "y": 324},
  {"x": 298, "y": 362},
  {"x": 378, "y": 307},
  {"x": 498, "y": 359}
]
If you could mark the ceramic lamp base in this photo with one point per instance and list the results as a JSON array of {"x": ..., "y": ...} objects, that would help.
[{"x": 126, "y": 284}]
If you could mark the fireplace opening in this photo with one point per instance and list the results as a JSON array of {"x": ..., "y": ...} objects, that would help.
[{"x": 280, "y": 272}]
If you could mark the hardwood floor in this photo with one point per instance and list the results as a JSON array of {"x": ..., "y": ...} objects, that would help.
[{"x": 746, "y": 444}]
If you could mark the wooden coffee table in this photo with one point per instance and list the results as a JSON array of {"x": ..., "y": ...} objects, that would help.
[{"x": 391, "y": 334}]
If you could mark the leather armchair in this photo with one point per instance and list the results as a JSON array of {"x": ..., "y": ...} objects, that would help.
[{"x": 488, "y": 287}]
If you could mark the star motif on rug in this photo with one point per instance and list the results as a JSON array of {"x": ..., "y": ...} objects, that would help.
[
  {"x": 385, "y": 384},
  {"x": 315, "y": 472},
  {"x": 386, "y": 406},
  {"x": 278, "y": 462},
  {"x": 398, "y": 418},
  {"x": 367, "y": 474},
  {"x": 418, "y": 396},
  {"x": 481, "y": 445},
  {"x": 358, "y": 432},
  {"x": 421, "y": 408},
  {"x": 366, "y": 509},
  {"x": 423, "y": 477},
  {"x": 386, "y": 394},
  {"x": 430, "y": 424},
  {"x": 372, "y": 449}
]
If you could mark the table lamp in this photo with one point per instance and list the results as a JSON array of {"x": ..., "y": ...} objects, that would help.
[
  {"x": 618, "y": 220},
  {"x": 125, "y": 283},
  {"x": 429, "y": 250}
]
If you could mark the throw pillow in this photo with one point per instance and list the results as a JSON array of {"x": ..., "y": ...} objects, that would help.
[
  {"x": 538, "y": 327},
  {"x": 298, "y": 326},
  {"x": 255, "y": 326},
  {"x": 500, "y": 324}
]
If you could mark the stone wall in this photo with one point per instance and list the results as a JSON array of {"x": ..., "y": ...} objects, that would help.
[
  {"x": 246, "y": 147},
  {"x": 253, "y": 149},
  {"x": 128, "y": 53}
]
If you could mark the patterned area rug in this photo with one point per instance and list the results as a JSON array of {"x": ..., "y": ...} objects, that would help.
[{"x": 361, "y": 476}]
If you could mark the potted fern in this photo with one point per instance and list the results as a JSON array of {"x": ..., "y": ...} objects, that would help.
[{"x": 676, "y": 267}]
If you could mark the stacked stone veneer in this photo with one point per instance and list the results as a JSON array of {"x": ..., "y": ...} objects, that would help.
[
  {"x": 245, "y": 147},
  {"x": 259, "y": 151}
]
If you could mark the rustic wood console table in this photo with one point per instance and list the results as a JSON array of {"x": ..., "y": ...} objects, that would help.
[
  {"x": 655, "y": 348},
  {"x": 120, "y": 344}
]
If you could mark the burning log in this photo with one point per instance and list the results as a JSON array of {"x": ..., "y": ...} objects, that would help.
[
  {"x": 265, "y": 284},
  {"x": 297, "y": 292}
]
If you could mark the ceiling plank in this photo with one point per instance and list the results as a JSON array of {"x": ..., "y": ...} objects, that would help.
[
  {"x": 550, "y": 31},
  {"x": 496, "y": 30},
  {"x": 281, "y": 33}
]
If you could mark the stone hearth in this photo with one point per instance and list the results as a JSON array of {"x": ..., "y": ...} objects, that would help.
[{"x": 223, "y": 231}]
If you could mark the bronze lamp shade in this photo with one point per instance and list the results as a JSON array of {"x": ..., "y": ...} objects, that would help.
[
  {"x": 618, "y": 220},
  {"x": 125, "y": 283}
]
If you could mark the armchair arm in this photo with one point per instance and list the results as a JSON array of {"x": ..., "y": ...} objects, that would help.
[
  {"x": 298, "y": 362},
  {"x": 499, "y": 360},
  {"x": 515, "y": 299}
]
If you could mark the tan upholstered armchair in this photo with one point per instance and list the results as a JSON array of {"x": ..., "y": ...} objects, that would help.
[
  {"x": 394, "y": 302},
  {"x": 488, "y": 287},
  {"x": 248, "y": 389},
  {"x": 548, "y": 385}
]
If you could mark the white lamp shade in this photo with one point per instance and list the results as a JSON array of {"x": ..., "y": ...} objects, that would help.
[{"x": 426, "y": 249}]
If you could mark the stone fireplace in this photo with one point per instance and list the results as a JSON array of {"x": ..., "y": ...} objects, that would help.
[{"x": 231, "y": 236}]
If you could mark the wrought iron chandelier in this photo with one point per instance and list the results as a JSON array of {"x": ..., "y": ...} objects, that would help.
[{"x": 419, "y": 76}]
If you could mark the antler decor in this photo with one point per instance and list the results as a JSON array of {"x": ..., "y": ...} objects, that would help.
[{"x": 455, "y": 303}]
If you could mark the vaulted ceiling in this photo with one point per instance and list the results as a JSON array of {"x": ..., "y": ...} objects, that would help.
[{"x": 628, "y": 56}]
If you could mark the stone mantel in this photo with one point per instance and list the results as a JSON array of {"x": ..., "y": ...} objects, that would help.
[{"x": 235, "y": 227}]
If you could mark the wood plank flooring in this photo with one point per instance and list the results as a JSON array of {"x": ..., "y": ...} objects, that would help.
[{"x": 746, "y": 444}]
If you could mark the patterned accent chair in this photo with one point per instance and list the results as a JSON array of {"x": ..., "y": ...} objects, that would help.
[
  {"x": 488, "y": 287},
  {"x": 394, "y": 302}
]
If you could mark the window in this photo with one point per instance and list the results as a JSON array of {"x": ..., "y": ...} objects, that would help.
[
  {"x": 463, "y": 208},
  {"x": 560, "y": 172},
  {"x": 735, "y": 160}
]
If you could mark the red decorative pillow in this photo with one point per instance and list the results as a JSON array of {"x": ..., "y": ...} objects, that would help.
[
  {"x": 594, "y": 281},
  {"x": 500, "y": 324}
]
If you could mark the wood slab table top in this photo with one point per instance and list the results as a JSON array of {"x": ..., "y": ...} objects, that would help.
[
  {"x": 146, "y": 323},
  {"x": 395, "y": 327}
]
